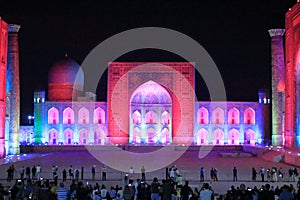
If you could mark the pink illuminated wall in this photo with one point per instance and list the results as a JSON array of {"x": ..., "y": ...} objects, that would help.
[
  {"x": 249, "y": 116},
  {"x": 123, "y": 80},
  {"x": 218, "y": 116},
  {"x": 202, "y": 116},
  {"x": 68, "y": 116},
  {"x": 233, "y": 116},
  {"x": 53, "y": 116},
  {"x": 3, "y": 71},
  {"x": 292, "y": 124}
]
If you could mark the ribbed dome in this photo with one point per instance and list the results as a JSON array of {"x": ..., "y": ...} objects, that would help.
[
  {"x": 65, "y": 80},
  {"x": 64, "y": 71},
  {"x": 151, "y": 93}
]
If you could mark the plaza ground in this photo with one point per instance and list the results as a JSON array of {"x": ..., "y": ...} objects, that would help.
[{"x": 188, "y": 164}]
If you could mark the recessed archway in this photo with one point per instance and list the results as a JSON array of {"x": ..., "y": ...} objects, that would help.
[{"x": 150, "y": 114}]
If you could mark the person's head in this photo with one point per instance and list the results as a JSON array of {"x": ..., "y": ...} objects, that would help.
[
  {"x": 206, "y": 186},
  {"x": 103, "y": 186},
  {"x": 267, "y": 186},
  {"x": 61, "y": 185},
  {"x": 242, "y": 187},
  {"x": 186, "y": 182},
  {"x": 155, "y": 179}
]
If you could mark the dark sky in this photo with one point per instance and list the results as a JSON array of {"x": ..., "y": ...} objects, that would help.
[{"x": 234, "y": 32}]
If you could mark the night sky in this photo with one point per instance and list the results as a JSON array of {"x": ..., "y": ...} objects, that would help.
[{"x": 234, "y": 32}]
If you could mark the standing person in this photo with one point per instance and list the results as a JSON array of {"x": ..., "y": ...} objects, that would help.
[
  {"x": 262, "y": 174},
  {"x": 63, "y": 193},
  {"x": 103, "y": 173},
  {"x": 33, "y": 172},
  {"x": 22, "y": 172},
  {"x": 212, "y": 174},
  {"x": 13, "y": 171},
  {"x": 71, "y": 172},
  {"x": 38, "y": 171},
  {"x": 131, "y": 171},
  {"x": 201, "y": 174},
  {"x": 93, "y": 172},
  {"x": 186, "y": 191},
  {"x": 54, "y": 171},
  {"x": 8, "y": 179},
  {"x": 155, "y": 189},
  {"x": 280, "y": 174},
  {"x": 254, "y": 173},
  {"x": 27, "y": 172},
  {"x": 234, "y": 174},
  {"x": 166, "y": 189},
  {"x": 215, "y": 174},
  {"x": 206, "y": 193},
  {"x": 295, "y": 172},
  {"x": 76, "y": 175},
  {"x": 64, "y": 175},
  {"x": 143, "y": 171}
]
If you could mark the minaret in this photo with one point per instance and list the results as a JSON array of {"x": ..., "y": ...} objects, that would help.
[
  {"x": 13, "y": 87},
  {"x": 278, "y": 86}
]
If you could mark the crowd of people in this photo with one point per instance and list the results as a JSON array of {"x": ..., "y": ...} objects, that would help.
[
  {"x": 29, "y": 184},
  {"x": 167, "y": 189}
]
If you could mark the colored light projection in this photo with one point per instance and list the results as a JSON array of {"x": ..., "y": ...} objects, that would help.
[{"x": 150, "y": 115}]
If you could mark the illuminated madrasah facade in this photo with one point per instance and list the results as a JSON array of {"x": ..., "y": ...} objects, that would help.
[{"x": 147, "y": 106}]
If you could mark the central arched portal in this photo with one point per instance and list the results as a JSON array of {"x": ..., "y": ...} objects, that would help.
[{"x": 150, "y": 120}]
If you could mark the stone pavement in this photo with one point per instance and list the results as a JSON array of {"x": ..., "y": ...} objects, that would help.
[{"x": 188, "y": 164}]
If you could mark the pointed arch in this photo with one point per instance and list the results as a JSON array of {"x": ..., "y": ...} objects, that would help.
[
  {"x": 249, "y": 116},
  {"x": 165, "y": 118},
  {"x": 218, "y": 116},
  {"x": 151, "y": 117},
  {"x": 233, "y": 116},
  {"x": 53, "y": 136},
  {"x": 165, "y": 136},
  {"x": 68, "y": 136},
  {"x": 83, "y": 136},
  {"x": 136, "y": 138},
  {"x": 151, "y": 136},
  {"x": 99, "y": 116},
  {"x": 53, "y": 116},
  {"x": 68, "y": 116},
  {"x": 250, "y": 137},
  {"x": 136, "y": 117},
  {"x": 99, "y": 136},
  {"x": 202, "y": 137},
  {"x": 218, "y": 137},
  {"x": 202, "y": 116},
  {"x": 233, "y": 136},
  {"x": 83, "y": 116}
]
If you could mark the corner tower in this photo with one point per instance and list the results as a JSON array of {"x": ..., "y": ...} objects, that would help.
[{"x": 278, "y": 86}]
